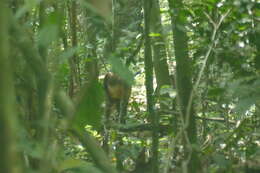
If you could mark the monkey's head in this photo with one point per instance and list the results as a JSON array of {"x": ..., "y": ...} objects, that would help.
[{"x": 115, "y": 87}]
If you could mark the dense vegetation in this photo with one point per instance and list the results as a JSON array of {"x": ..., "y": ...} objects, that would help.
[{"x": 193, "y": 67}]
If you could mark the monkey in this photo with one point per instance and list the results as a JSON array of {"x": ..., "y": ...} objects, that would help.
[{"x": 117, "y": 93}]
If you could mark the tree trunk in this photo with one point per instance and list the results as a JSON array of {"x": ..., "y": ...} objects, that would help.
[
  {"x": 91, "y": 65},
  {"x": 74, "y": 60},
  {"x": 183, "y": 79},
  {"x": 42, "y": 15},
  {"x": 8, "y": 156},
  {"x": 44, "y": 93},
  {"x": 123, "y": 10},
  {"x": 149, "y": 86},
  {"x": 159, "y": 51},
  {"x": 14, "y": 4}
]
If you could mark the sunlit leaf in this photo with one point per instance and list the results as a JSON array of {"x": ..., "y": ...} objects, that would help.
[
  {"x": 166, "y": 89},
  {"x": 154, "y": 34}
]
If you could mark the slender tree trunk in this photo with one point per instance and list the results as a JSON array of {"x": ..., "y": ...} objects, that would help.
[
  {"x": 14, "y": 4},
  {"x": 91, "y": 65},
  {"x": 74, "y": 60},
  {"x": 183, "y": 80},
  {"x": 8, "y": 156},
  {"x": 44, "y": 93},
  {"x": 42, "y": 15},
  {"x": 256, "y": 42},
  {"x": 122, "y": 10},
  {"x": 74, "y": 37},
  {"x": 149, "y": 85},
  {"x": 37, "y": 111},
  {"x": 159, "y": 51}
]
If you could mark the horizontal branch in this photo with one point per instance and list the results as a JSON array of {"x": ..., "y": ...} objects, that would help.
[
  {"x": 162, "y": 127},
  {"x": 138, "y": 127},
  {"x": 216, "y": 119}
]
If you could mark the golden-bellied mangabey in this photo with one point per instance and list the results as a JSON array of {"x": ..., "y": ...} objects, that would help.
[{"x": 117, "y": 95}]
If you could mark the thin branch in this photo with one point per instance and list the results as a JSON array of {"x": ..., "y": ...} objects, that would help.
[
  {"x": 212, "y": 45},
  {"x": 173, "y": 140}
]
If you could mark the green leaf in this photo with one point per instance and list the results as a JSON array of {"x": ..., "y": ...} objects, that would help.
[
  {"x": 89, "y": 108},
  {"x": 77, "y": 166},
  {"x": 221, "y": 160},
  {"x": 25, "y": 8},
  {"x": 67, "y": 54},
  {"x": 215, "y": 92},
  {"x": 121, "y": 70},
  {"x": 154, "y": 34},
  {"x": 245, "y": 104},
  {"x": 48, "y": 34},
  {"x": 50, "y": 30},
  {"x": 246, "y": 91}
]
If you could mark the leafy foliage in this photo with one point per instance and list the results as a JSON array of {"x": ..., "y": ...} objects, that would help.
[{"x": 226, "y": 95}]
